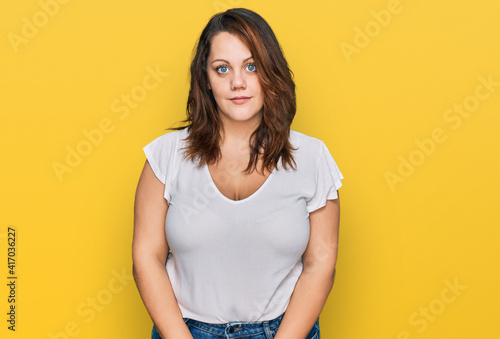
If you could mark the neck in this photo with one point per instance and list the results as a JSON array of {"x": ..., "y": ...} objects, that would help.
[{"x": 238, "y": 132}]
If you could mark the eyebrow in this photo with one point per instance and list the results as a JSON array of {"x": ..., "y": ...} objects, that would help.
[{"x": 250, "y": 57}]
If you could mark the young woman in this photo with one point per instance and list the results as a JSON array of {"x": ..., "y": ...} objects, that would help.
[{"x": 237, "y": 215}]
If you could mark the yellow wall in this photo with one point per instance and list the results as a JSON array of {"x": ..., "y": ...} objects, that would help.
[{"x": 405, "y": 94}]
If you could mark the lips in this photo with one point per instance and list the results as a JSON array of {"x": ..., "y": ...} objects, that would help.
[{"x": 240, "y": 100}]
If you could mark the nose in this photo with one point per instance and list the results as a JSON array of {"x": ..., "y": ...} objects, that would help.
[{"x": 238, "y": 81}]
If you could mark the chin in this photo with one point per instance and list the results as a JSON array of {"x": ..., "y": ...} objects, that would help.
[{"x": 242, "y": 116}]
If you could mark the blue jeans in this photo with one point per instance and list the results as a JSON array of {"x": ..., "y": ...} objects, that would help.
[{"x": 235, "y": 329}]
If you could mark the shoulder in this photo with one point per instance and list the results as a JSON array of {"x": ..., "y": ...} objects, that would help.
[
  {"x": 172, "y": 136},
  {"x": 304, "y": 142},
  {"x": 162, "y": 154},
  {"x": 166, "y": 146},
  {"x": 309, "y": 150},
  {"x": 168, "y": 141}
]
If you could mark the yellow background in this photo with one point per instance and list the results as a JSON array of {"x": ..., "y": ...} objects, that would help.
[{"x": 401, "y": 242}]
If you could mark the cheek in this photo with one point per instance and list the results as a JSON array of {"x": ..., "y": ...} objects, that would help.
[
  {"x": 217, "y": 91},
  {"x": 256, "y": 84},
  {"x": 260, "y": 93},
  {"x": 218, "y": 86}
]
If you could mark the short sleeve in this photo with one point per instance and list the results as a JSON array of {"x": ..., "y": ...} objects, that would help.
[
  {"x": 327, "y": 181},
  {"x": 161, "y": 154}
]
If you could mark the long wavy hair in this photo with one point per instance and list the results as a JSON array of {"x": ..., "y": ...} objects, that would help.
[{"x": 279, "y": 102}]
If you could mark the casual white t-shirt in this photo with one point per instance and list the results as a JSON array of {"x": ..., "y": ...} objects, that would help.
[{"x": 239, "y": 260}]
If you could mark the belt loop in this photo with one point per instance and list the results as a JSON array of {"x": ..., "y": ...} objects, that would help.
[{"x": 267, "y": 329}]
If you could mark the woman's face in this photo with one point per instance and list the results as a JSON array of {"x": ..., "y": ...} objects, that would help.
[{"x": 233, "y": 80}]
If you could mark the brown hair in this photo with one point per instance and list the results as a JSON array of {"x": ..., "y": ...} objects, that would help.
[{"x": 279, "y": 103}]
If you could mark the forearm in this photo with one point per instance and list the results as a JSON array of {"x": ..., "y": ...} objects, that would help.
[
  {"x": 307, "y": 301},
  {"x": 158, "y": 296}
]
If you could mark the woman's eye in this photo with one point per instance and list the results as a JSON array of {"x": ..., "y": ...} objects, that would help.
[
  {"x": 251, "y": 67},
  {"x": 222, "y": 69}
]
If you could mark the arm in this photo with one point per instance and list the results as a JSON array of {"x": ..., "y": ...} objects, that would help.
[
  {"x": 318, "y": 275},
  {"x": 149, "y": 253}
]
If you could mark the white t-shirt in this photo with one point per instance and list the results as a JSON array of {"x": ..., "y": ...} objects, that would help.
[{"x": 239, "y": 260}]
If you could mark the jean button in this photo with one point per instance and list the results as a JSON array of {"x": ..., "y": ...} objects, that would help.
[{"x": 231, "y": 329}]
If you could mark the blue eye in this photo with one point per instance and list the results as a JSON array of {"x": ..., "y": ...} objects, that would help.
[
  {"x": 251, "y": 67},
  {"x": 222, "y": 69}
]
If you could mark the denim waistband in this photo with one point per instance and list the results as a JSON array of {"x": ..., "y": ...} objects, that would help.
[{"x": 236, "y": 327}]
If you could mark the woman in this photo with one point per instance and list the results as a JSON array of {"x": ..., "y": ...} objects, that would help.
[{"x": 221, "y": 249}]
